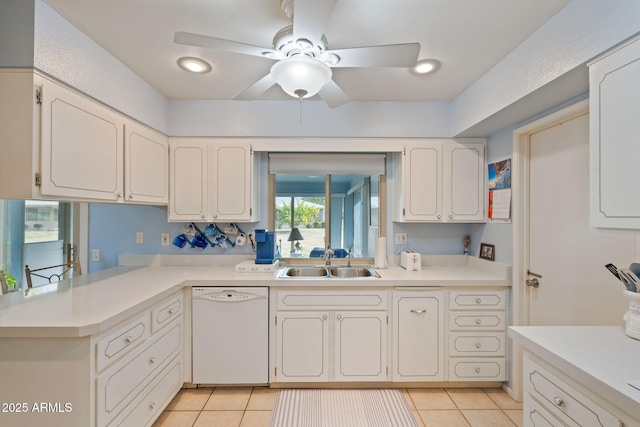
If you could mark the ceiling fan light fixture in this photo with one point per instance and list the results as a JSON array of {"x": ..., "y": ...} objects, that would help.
[
  {"x": 194, "y": 65},
  {"x": 426, "y": 66},
  {"x": 301, "y": 76}
]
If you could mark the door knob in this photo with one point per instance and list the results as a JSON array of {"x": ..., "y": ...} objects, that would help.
[{"x": 533, "y": 282}]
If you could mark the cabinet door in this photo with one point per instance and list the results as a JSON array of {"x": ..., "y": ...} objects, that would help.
[
  {"x": 302, "y": 347},
  {"x": 464, "y": 182},
  {"x": 422, "y": 182},
  {"x": 81, "y": 147},
  {"x": 418, "y": 349},
  {"x": 231, "y": 174},
  {"x": 146, "y": 165},
  {"x": 188, "y": 181},
  {"x": 360, "y": 346},
  {"x": 614, "y": 128}
]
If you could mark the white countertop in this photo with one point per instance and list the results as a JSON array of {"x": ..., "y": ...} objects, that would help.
[
  {"x": 92, "y": 303},
  {"x": 602, "y": 358}
]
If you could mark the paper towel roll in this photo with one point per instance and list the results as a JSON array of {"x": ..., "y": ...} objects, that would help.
[{"x": 381, "y": 253}]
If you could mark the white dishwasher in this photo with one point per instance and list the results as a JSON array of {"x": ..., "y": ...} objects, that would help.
[{"x": 230, "y": 343}]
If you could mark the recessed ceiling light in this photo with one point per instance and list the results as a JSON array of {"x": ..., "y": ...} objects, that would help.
[
  {"x": 194, "y": 65},
  {"x": 426, "y": 66}
]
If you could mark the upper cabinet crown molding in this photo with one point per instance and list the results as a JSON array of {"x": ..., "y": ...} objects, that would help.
[
  {"x": 440, "y": 180},
  {"x": 614, "y": 126},
  {"x": 66, "y": 146}
]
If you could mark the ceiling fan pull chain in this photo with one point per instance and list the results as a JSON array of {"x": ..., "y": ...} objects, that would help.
[{"x": 300, "y": 111}]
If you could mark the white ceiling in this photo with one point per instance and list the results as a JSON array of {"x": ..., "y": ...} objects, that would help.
[{"x": 467, "y": 36}]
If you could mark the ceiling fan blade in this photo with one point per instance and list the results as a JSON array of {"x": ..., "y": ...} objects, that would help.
[
  {"x": 392, "y": 55},
  {"x": 200, "y": 40},
  {"x": 333, "y": 95},
  {"x": 310, "y": 18},
  {"x": 256, "y": 89}
]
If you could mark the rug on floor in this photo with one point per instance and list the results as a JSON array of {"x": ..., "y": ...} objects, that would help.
[{"x": 341, "y": 408}]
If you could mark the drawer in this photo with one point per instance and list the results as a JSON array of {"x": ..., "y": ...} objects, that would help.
[
  {"x": 118, "y": 386},
  {"x": 159, "y": 393},
  {"x": 562, "y": 400},
  {"x": 119, "y": 342},
  {"x": 477, "y": 320},
  {"x": 477, "y": 300},
  {"x": 166, "y": 311},
  {"x": 477, "y": 369},
  {"x": 534, "y": 414},
  {"x": 476, "y": 344},
  {"x": 332, "y": 300}
]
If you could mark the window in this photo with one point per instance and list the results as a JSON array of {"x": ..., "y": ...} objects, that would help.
[{"x": 335, "y": 203}]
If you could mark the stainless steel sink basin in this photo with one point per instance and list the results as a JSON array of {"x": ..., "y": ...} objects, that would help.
[
  {"x": 305, "y": 272},
  {"x": 346, "y": 272},
  {"x": 333, "y": 272}
]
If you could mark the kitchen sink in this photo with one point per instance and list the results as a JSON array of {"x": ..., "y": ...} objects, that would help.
[
  {"x": 345, "y": 272},
  {"x": 329, "y": 272}
]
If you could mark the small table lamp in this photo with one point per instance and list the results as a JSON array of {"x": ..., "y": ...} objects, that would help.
[{"x": 294, "y": 236}]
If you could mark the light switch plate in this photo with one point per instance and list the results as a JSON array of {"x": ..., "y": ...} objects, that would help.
[
  {"x": 95, "y": 255},
  {"x": 139, "y": 237},
  {"x": 164, "y": 239}
]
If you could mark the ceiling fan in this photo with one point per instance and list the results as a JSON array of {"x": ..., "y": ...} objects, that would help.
[{"x": 303, "y": 61}]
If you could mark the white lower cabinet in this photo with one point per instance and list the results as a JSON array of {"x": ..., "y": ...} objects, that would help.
[
  {"x": 418, "y": 338},
  {"x": 549, "y": 400},
  {"x": 330, "y": 335},
  {"x": 477, "y": 335}
]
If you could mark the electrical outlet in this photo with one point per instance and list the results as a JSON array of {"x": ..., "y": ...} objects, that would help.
[
  {"x": 164, "y": 239},
  {"x": 139, "y": 237},
  {"x": 95, "y": 255},
  {"x": 401, "y": 238}
]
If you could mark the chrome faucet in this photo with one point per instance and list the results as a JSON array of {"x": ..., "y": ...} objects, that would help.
[
  {"x": 327, "y": 256},
  {"x": 349, "y": 258}
]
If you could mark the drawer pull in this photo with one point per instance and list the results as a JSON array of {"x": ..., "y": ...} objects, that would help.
[
  {"x": 171, "y": 311},
  {"x": 478, "y": 300},
  {"x": 152, "y": 360},
  {"x": 478, "y": 345},
  {"x": 152, "y": 405},
  {"x": 477, "y": 370},
  {"x": 418, "y": 311},
  {"x": 128, "y": 339},
  {"x": 558, "y": 401},
  {"x": 478, "y": 321}
]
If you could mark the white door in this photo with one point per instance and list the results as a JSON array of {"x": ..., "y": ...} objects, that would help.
[
  {"x": 302, "y": 347},
  {"x": 417, "y": 340},
  {"x": 575, "y": 288},
  {"x": 188, "y": 182},
  {"x": 360, "y": 346}
]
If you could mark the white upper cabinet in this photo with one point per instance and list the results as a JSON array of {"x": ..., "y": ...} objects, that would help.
[
  {"x": 65, "y": 146},
  {"x": 146, "y": 165},
  {"x": 81, "y": 145},
  {"x": 212, "y": 180},
  {"x": 440, "y": 180},
  {"x": 614, "y": 110}
]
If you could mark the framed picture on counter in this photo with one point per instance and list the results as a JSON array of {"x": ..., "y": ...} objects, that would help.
[{"x": 487, "y": 251}]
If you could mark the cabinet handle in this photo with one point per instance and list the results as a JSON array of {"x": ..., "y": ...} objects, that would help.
[
  {"x": 438, "y": 216},
  {"x": 478, "y": 300},
  {"x": 152, "y": 360},
  {"x": 477, "y": 370},
  {"x": 119, "y": 196},
  {"x": 152, "y": 405},
  {"x": 478, "y": 321},
  {"x": 215, "y": 215},
  {"x": 130, "y": 196},
  {"x": 128, "y": 339},
  {"x": 558, "y": 401},
  {"x": 324, "y": 317},
  {"x": 339, "y": 317},
  {"x": 419, "y": 311},
  {"x": 478, "y": 345},
  {"x": 171, "y": 311},
  {"x": 201, "y": 215},
  {"x": 450, "y": 216}
]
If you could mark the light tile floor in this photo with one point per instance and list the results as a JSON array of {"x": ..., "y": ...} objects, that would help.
[{"x": 251, "y": 407}]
